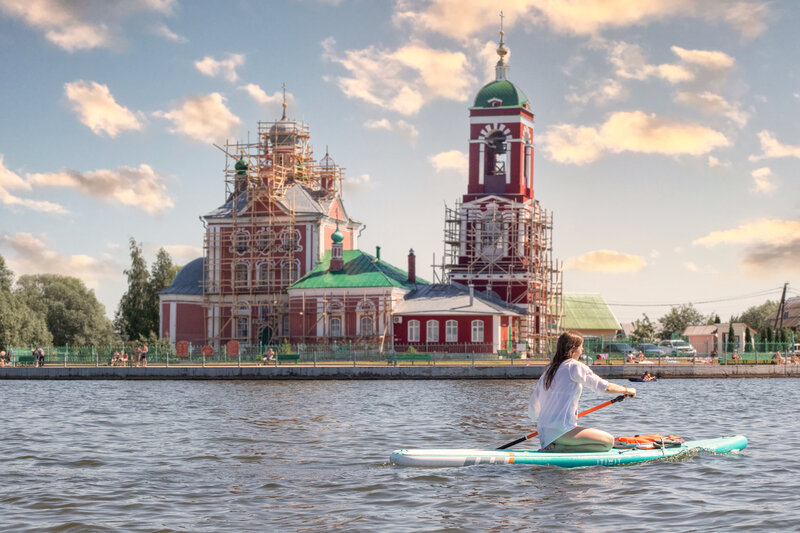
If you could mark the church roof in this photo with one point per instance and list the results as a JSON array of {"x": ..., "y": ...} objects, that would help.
[
  {"x": 189, "y": 279},
  {"x": 509, "y": 95},
  {"x": 303, "y": 200},
  {"x": 360, "y": 270},
  {"x": 452, "y": 299}
]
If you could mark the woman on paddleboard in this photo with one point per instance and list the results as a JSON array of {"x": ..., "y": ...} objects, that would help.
[{"x": 554, "y": 402}]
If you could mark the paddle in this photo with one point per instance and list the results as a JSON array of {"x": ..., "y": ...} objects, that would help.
[{"x": 586, "y": 412}]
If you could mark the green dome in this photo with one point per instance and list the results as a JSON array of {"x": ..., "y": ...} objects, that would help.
[
  {"x": 509, "y": 95},
  {"x": 337, "y": 236},
  {"x": 241, "y": 166}
]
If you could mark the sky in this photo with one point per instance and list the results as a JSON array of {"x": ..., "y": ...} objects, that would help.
[{"x": 667, "y": 143}]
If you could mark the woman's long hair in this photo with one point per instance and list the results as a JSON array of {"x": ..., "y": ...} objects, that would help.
[{"x": 568, "y": 342}]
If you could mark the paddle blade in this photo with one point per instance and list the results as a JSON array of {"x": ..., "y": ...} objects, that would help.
[{"x": 510, "y": 444}]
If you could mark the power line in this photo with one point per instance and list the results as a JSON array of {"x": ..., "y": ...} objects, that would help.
[{"x": 729, "y": 299}]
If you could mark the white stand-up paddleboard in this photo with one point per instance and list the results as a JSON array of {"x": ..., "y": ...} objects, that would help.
[{"x": 614, "y": 457}]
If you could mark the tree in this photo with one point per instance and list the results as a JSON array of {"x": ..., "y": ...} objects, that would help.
[
  {"x": 132, "y": 319},
  {"x": 19, "y": 325},
  {"x": 6, "y": 276},
  {"x": 71, "y": 311},
  {"x": 137, "y": 314},
  {"x": 731, "y": 339},
  {"x": 674, "y": 322},
  {"x": 748, "y": 340},
  {"x": 756, "y": 316},
  {"x": 644, "y": 330}
]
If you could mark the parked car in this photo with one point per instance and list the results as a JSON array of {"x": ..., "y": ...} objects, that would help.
[
  {"x": 676, "y": 347},
  {"x": 617, "y": 347},
  {"x": 647, "y": 348}
]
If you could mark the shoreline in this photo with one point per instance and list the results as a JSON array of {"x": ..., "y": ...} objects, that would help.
[{"x": 384, "y": 372}]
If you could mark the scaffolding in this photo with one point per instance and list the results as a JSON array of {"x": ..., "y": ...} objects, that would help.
[
  {"x": 505, "y": 247},
  {"x": 254, "y": 254}
]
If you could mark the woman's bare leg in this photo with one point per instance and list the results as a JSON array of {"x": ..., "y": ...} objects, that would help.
[{"x": 581, "y": 439}]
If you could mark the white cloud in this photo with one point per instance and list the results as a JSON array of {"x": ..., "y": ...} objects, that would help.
[
  {"x": 204, "y": 118},
  {"x": 772, "y": 148},
  {"x": 709, "y": 102},
  {"x": 461, "y": 18},
  {"x": 633, "y": 131},
  {"x": 607, "y": 261},
  {"x": 10, "y": 180},
  {"x": 225, "y": 68},
  {"x": 358, "y": 184},
  {"x": 708, "y": 59},
  {"x": 98, "y": 110},
  {"x": 599, "y": 92},
  {"x": 763, "y": 180},
  {"x": 137, "y": 187},
  {"x": 162, "y": 30},
  {"x": 708, "y": 269},
  {"x": 630, "y": 62},
  {"x": 75, "y": 25},
  {"x": 713, "y": 161},
  {"x": 405, "y": 130},
  {"x": 405, "y": 79},
  {"x": 31, "y": 256},
  {"x": 261, "y": 97},
  {"x": 771, "y": 244},
  {"x": 180, "y": 253},
  {"x": 450, "y": 160}
]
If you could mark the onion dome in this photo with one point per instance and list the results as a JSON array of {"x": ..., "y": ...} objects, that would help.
[
  {"x": 501, "y": 92},
  {"x": 241, "y": 167},
  {"x": 337, "y": 236}
]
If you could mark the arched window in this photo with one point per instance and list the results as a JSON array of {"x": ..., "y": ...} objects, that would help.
[
  {"x": 432, "y": 333},
  {"x": 289, "y": 271},
  {"x": 335, "y": 324},
  {"x": 243, "y": 327},
  {"x": 477, "y": 331},
  {"x": 366, "y": 326},
  {"x": 264, "y": 274},
  {"x": 240, "y": 241},
  {"x": 241, "y": 275},
  {"x": 491, "y": 233},
  {"x": 413, "y": 331},
  {"x": 451, "y": 331},
  {"x": 265, "y": 241}
]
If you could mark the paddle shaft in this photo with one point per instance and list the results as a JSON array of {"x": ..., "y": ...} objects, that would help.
[{"x": 586, "y": 412}]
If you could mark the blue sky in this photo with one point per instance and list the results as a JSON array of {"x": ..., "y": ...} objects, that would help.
[{"x": 667, "y": 144}]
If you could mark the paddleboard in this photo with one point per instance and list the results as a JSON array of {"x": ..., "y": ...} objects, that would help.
[
  {"x": 642, "y": 380},
  {"x": 614, "y": 457}
]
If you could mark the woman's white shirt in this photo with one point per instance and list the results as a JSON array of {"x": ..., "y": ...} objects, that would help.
[{"x": 555, "y": 410}]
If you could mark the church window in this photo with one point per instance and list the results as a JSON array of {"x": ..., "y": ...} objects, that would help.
[
  {"x": 366, "y": 326},
  {"x": 335, "y": 326},
  {"x": 242, "y": 327}
]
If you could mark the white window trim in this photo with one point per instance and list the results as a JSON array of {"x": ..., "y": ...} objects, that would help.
[
  {"x": 479, "y": 330},
  {"x": 413, "y": 326},
  {"x": 428, "y": 328},
  {"x": 447, "y": 331}
]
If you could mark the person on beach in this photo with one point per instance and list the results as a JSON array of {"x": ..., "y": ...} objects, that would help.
[
  {"x": 142, "y": 351},
  {"x": 2, "y": 358},
  {"x": 778, "y": 359},
  {"x": 554, "y": 402},
  {"x": 647, "y": 377},
  {"x": 268, "y": 357}
]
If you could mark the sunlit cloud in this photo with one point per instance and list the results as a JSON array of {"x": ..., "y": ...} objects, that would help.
[
  {"x": 180, "y": 253},
  {"x": 31, "y": 255},
  {"x": 357, "y": 184},
  {"x": 606, "y": 261},
  {"x": 402, "y": 80},
  {"x": 709, "y": 102},
  {"x": 771, "y": 244},
  {"x": 75, "y": 26},
  {"x": 713, "y": 161},
  {"x": 452, "y": 160},
  {"x": 599, "y": 93},
  {"x": 772, "y": 148},
  {"x": 223, "y": 68},
  {"x": 402, "y": 128},
  {"x": 98, "y": 109},
  {"x": 629, "y": 132},
  {"x": 630, "y": 62},
  {"x": 763, "y": 180},
  {"x": 707, "y": 269},
  {"x": 462, "y": 18},
  {"x": 162, "y": 30},
  {"x": 203, "y": 118},
  {"x": 136, "y": 187},
  {"x": 11, "y": 181}
]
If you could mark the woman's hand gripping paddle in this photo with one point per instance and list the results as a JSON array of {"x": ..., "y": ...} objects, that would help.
[{"x": 586, "y": 412}]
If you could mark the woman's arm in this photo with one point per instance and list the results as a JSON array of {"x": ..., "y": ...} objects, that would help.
[{"x": 613, "y": 388}]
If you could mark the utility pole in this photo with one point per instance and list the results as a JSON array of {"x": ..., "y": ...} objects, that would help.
[{"x": 781, "y": 307}]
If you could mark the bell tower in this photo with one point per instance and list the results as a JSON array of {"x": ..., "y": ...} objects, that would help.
[{"x": 500, "y": 138}]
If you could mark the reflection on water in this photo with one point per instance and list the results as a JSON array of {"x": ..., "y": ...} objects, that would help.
[{"x": 252, "y": 456}]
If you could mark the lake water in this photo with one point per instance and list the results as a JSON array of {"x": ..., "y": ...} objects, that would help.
[{"x": 313, "y": 455}]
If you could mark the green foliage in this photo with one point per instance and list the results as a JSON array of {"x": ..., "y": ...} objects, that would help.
[
  {"x": 674, "y": 322},
  {"x": 6, "y": 276},
  {"x": 411, "y": 349},
  {"x": 71, "y": 311},
  {"x": 285, "y": 348},
  {"x": 731, "y": 339},
  {"x": 748, "y": 340},
  {"x": 138, "y": 312},
  {"x": 644, "y": 330},
  {"x": 19, "y": 325},
  {"x": 757, "y": 316}
]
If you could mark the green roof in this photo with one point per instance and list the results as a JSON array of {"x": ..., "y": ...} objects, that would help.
[
  {"x": 360, "y": 270},
  {"x": 509, "y": 94},
  {"x": 587, "y": 311}
]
